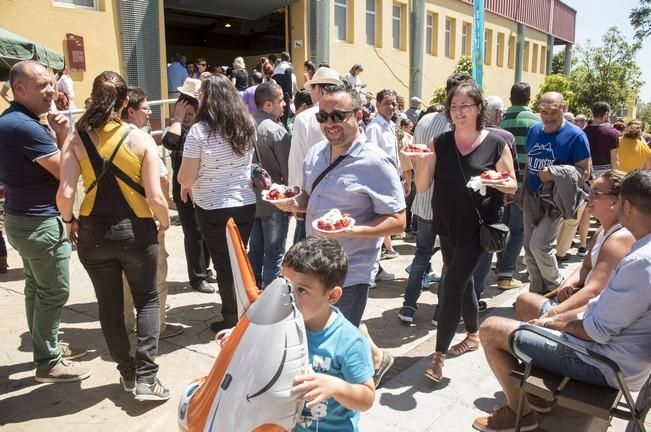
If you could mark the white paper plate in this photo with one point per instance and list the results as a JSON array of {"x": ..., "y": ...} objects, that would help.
[
  {"x": 264, "y": 197},
  {"x": 316, "y": 228}
]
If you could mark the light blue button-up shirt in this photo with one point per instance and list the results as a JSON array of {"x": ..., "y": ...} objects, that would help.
[
  {"x": 383, "y": 134},
  {"x": 619, "y": 320},
  {"x": 176, "y": 75},
  {"x": 365, "y": 184}
]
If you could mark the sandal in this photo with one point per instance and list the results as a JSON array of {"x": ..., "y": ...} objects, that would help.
[
  {"x": 435, "y": 370},
  {"x": 470, "y": 343}
]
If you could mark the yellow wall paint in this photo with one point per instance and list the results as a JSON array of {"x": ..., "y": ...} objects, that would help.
[{"x": 47, "y": 24}]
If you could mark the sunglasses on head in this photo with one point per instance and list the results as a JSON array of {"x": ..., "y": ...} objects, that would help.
[{"x": 337, "y": 116}]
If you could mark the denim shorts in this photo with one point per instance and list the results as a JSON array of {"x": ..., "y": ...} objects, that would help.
[
  {"x": 557, "y": 358},
  {"x": 546, "y": 306},
  {"x": 353, "y": 302}
]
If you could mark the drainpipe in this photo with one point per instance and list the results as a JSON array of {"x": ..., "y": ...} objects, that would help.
[
  {"x": 319, "y": 31},
  {"x": 519, "y": 53},
  {"x": 550, "y": 54},
  {"x": 567, "y": 66},
  {"x": 416, "y": 47}
]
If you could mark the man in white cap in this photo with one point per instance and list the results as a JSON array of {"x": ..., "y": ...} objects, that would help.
[
  {"x": 414, "y": 109},
  {"x": 307, "y": 132}
]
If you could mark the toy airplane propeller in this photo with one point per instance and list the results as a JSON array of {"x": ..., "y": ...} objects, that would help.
[{"x": 249, "y": 386}]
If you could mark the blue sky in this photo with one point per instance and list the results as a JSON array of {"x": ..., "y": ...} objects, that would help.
[{"x": 594, "y": 18}]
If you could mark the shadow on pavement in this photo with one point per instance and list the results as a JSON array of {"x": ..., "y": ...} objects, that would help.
[
  {"x": 487, "y": 404},
  {"x": 13, "y": 274}
]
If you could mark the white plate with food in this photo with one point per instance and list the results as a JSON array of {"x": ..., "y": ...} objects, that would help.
[
  {"x": 492, "y": 177},
  {"x": 278, "y": 193},
  {"x": 333, "y": 222},
  {"x": 416, "y": 150}
]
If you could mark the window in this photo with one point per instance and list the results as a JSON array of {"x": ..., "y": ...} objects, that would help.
[
  {"x": 431, "y": 34},
  {"x": 341, "y": 20},
  {"x": 85, "y": 4},
  {"x": 543, "y": 60},
  {"x": 534, "y": 58},
  {"x": 396, "y": 27},
  {"x": 511, "y": 54},
  {"x": 525, "y": 60},
  {"x": 500, "y": 50},
  {"x": 466, "y": 38},
  {"x": 488, "y": 46},
  {"x": 450, "y": 33},
  {"x": 370, "y": 21}
]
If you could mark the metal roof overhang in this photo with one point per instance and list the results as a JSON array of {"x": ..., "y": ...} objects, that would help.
[{"x": 245, "y": 9}]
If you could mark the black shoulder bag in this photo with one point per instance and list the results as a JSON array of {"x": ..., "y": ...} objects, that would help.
[
  {"x": 492, "y": 237},
  {"x": 327, "y": 170}
]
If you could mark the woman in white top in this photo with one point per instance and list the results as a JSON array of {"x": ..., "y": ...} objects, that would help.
[
  {"x": 215, "y": 173},
  {"x": 611, "y": 243},
  {"x": 65, "y": 86},
  {"x": 353, "y": 77}
]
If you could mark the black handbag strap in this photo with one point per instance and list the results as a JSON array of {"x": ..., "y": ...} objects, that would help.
[
  {"x": 90, "y": 147},
  {"x": 327, "y": 170},
  {"x": 456, "y": 152}
]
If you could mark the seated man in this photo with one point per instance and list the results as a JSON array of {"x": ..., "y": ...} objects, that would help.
[
  {"x": 612, "y": 242},
  {"x": 616, "y": 324}
]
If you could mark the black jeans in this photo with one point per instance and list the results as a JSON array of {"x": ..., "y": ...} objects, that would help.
[
  {"x": 213, "y": 228},
  {"x": 131, "y": 248},
  {"x": 196, "y": 252},
  {"x": 458, "y": 295}
]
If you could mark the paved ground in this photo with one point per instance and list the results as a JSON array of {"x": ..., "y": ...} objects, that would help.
[{"x": 406, "y": 402}]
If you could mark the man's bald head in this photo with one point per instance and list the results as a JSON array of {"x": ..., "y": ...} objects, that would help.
[
  {"x": 552, "y": 105},
  {"x": 24, "y": 71},
  {"x": 32, "y": 86},
  {"x": 552, "y": 97}
]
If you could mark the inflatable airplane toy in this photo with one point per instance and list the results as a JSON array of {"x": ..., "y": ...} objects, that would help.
[{"x": 249, "y": 386}]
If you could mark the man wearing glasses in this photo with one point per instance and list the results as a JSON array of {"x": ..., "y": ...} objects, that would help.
[
  {"x": 552, "y": 142},
  {"x": 360, "y": 181}
]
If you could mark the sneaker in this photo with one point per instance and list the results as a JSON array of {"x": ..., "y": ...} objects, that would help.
[
  {"x": 170, "y": 330},
  {"x": 211, "y": 276},
  {"x": 385, "y": 365},
  {"x": 507, "y": 284},
  {"x": 503, "y": 420},
  {"x": 152, "y": 392},
  {"x": 539, "y": 405},
  {"x": 400, "y": 236},
  {"x": 435, "y": 323},
  {"x": 434, "y": 277},
  {"x": 64, "y": 371},
  {"x": 203, "y": 287},
  {"x": 483, "y": 306},
  {"x": 128, "y": 384},
  {"x": 425, "y": 283},
  {"x": 67, "y": 352},
  {"x": 372, "y": 285},
  {"x": 562, "y": 258},
  {"x": 406, "y": 314},
  {"x": 389, "y": 254},
  {"x": 385, "y": 276},
  {"x": 582, "y": 251}
]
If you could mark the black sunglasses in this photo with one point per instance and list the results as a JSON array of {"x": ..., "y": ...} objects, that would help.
[{"x": 337, "y": 116}]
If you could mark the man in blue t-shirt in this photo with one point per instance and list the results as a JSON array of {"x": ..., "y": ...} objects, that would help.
[
  {"x": 552, "y": 142},
  {"x": 29, "y": 170}
]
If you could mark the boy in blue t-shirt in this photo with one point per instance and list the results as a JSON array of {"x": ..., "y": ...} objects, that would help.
[{"x": 339, "y": 354}]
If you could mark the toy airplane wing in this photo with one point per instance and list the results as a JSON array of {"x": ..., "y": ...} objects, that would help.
[
  {"x": 249, "y": 386},
  {"x": 246, "y": 291}
]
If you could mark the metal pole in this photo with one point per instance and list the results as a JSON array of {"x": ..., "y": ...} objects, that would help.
[
  {"x": 478, "y": 44},
  {"x": 417, "y": 38},
  {"x": 567, "y": 66},
  {"x": 519, "y": 53},
  {"x": 550, "y": 54},
  {"x": 322, "y": 11}
]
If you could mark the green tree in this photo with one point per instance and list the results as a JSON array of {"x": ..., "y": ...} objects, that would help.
[
  {"x": 554, "y": 83},
  {"x": 558, "y": 61},
  {"x": 640, "y": 18},
  {"x": 644, "y": 113},
  {"x": 606, "y": 73},
  {"x": 463, "y": 66}
]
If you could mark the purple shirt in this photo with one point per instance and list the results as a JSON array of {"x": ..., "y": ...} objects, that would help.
[
  {"x": 602, "y": 138},
  {"x": 510, "y": 141},
  {"x": 248, "y": 96}
]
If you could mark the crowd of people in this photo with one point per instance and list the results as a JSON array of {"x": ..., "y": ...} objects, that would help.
[{"x": 231, "y": 132}]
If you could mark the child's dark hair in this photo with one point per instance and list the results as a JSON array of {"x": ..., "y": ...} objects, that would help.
[{"x": 320, "y": 257}]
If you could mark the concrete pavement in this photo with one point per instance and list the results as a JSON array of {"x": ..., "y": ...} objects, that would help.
[{"x": 406, "y": 402}]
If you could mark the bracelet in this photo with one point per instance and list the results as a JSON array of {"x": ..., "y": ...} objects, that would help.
[{"x": 71, "y": 220}]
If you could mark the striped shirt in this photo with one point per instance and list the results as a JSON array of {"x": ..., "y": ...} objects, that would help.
[
  {"x": 429, "y": 127},
  {"x": 224, "y": 178},
  {"x": 518, "y": 120}
]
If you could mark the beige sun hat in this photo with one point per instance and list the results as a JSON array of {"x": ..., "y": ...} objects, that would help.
[
  {"x": 190, "y": 87},
  {"x": 326, "y": 75}
]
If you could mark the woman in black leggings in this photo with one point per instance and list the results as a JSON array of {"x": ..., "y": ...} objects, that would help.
[{"x": 466, "y": 151}]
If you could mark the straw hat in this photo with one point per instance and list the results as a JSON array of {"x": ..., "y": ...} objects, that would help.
[
  {"x": 326, "y": 75},
  {"x": 190, "y": 87}
]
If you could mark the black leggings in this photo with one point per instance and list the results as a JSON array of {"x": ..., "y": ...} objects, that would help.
[{"x": 458, "y": 296}]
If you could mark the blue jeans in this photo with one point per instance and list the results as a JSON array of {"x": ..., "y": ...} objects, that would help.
[
  {"x": 299, "y": 231},
  {"x": 353, "y": 302},
  {"x": 507, "y": 259},
  {"x": 424, "y": 247},
  {"x": 557, "y": 359},
  {"x": 267, "y": 246}
]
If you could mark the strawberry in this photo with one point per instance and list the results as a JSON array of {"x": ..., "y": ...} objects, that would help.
[{"x": 339, "y": 225}]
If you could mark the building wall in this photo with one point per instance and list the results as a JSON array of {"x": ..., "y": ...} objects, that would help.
[
  {"x": 44, "y": 22},
  {"x": 388, "y": 67}
]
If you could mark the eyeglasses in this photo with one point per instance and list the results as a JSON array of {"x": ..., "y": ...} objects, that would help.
[
  {"x": 145, "y": 109},
  {"x": 203, "y": 64},
  {"x": 463, "y": 108},
  {"x": 337, "y": 116},
  {"x": 597, "y": 193}
]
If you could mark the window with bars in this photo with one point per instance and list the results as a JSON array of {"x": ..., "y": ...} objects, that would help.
[
  {"x": 466, "y": 38},
  {"x": 450, "y": 34},
  {"x": 84, "y": 4},
  {"x": 499, "y": 61},
  {"x": 371, "y": 19},
  {"x": 396, "y": 26}
]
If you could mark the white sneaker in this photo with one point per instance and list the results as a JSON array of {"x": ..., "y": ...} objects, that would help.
[{"x": 385, "y": 276}]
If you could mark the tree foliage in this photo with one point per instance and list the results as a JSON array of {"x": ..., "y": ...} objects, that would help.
[
  {"x": 558, "y": 62},
  {"x": 644, "y": 114},
  {"x": 640, "y": 18},
  {"x": 463, "y": 66},
  {"x": 555, "y": 83}
]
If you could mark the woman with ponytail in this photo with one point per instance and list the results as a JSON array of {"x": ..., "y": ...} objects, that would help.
[{"x": 116, "y": 232}]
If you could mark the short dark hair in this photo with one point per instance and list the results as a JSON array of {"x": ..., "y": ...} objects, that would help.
[
  {"x": 320, "y": 257},
  {"x": 284, "y": 56},
  {"x": 266, "y": 92},
  {"x": 599, "y": 109},
  {"x": 353, "y": 93},
  {"x": 455, "y": 79},
  {"x": 256, "y": 77},
  {"x": 520, "y": 94},
  {"x": 302, "y": 97},
  {"x": 383, "y": 93},
  {"x": 636, "y": 189},
  {"x": 194, "y": 103},
  {"x": 404, "y": 122},
  {"x": 472, "y": 91},
  {"x": 136, "y": 96}
]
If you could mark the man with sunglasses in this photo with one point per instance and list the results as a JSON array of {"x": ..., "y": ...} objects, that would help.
[
  {"x": 359, "y": 181},
  {"x": 555, "y": 141}
]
